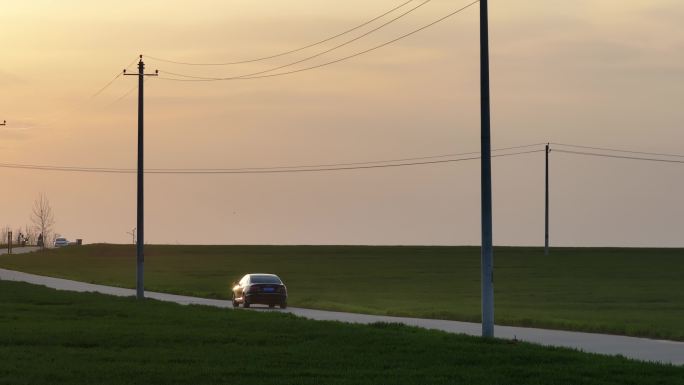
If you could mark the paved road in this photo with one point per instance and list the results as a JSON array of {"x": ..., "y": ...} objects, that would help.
[
  {"x": 637, "y": 348},
  {"x": 20, "y": 250}
]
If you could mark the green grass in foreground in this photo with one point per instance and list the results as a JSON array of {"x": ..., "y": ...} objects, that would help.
[
  {"x": 53, "y": 337},
  {"x": 622, "y": 291}
]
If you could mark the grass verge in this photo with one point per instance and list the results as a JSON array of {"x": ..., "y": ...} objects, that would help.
[
  {"x": 635, "y": 292},
  {"x": 53, "y": 337}
]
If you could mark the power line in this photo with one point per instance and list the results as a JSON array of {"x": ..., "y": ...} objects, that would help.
[
  {"x": 130, "y": 90},
  {"x": 617, "y": 150},
  {"x": 309, "y": 57},
  {"x": 514, "y": 147},
  {"x": 287, "y": 52},
  {"x": 120, "y": 98},
  {"x": 190, "y": 79},
  {"x": 59, "y": 168},
  {"x": 619, "y": 156},
  {"x": 269, "y": 167},
  {"x": 351, "y": 163},
  {"x": 106, "y": 86},
  {"x": 88, "y": 101},
  {"x": 118, "y": 74},
  {"x": 251, "y": 171},
  {"x": 320, "y": 167}
]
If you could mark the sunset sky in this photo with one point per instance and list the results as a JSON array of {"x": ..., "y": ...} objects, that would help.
[{"x": 606, "y": 73}]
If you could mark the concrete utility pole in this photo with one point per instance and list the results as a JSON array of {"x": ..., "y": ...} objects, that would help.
[
  {"x": 546, "y": 203},
  {"x": 140, "y": 255},
  {"x": 487, "y": 257},
  {"x": 9, "y": 235}
]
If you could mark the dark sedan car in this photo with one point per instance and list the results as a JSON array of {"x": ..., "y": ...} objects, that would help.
[{"x": 265, "y": 289}]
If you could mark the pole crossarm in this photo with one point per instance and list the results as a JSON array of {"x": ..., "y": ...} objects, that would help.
[
  {"x": 156, "y": 73},
  {"x": 4, "y": 123},
  {"x": 141, "y": 73}
]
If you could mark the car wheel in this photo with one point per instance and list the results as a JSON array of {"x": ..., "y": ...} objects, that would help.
[
  {"x": 245, "y": 304},
  {"x": 283, "y": 305},
  {"x": 235, "y": 302}
]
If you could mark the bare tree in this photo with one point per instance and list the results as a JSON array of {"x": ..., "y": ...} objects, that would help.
[
  {"x": 3, "y": 235},
  {"x": 31, "y": 235},
  {"x": 42, "y": 217}
]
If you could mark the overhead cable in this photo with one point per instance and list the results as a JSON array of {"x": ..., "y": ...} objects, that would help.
[
  {"x": 352, "y": 163},
  {"x": 619, "y": 156},
  {"x": 309, "y": 57},
  {"x": 275, "y": 167},
  {"x": 618, "y": 150},
  {"x": 120, "y": 98},
  {"x": 87, "y": 101},
  {"x": 191, "y": 78},
  {"x": 251, "y": 171},
  {"x": 287, "y": 52},
  {"x": 118, "y": 74}
]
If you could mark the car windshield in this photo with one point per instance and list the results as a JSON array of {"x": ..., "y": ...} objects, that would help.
[{"x": 258, "y": 278}]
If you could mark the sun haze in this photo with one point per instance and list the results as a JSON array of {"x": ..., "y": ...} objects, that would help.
[{"x": 600, "y": 73}]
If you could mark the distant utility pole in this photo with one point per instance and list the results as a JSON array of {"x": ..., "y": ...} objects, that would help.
[
  {"x": 487, "y": 256},
  {"x": 9, "y": 235},
  {"x": 139, "y": 283},
  {"x": 546, "y": 203},
  {"x": 132, "y": 234}
]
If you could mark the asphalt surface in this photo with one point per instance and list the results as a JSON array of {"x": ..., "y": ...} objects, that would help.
[
  {"x": 637, "y": 348},
  {"x": 20, "y": 250}
]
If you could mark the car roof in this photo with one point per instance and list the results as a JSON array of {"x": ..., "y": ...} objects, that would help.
[{"x": 262, "y": 275}]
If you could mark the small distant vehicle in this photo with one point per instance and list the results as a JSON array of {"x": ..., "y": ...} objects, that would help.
[
  {"x": 61, "y": 242},
  {"x": 263, "y": 289}
]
